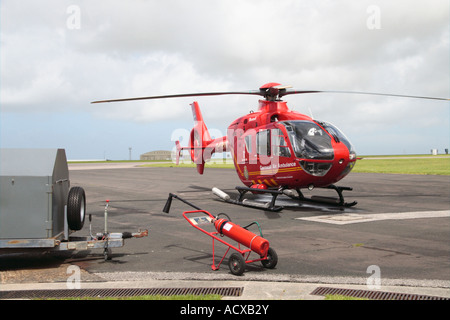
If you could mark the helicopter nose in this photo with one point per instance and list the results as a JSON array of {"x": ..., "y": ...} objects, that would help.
[{"x": 346, "y": 160}]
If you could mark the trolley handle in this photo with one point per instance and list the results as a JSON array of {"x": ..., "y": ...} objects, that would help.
[
  {"x": 166, "y": 208},
  {"x": 198, "y": 211}
]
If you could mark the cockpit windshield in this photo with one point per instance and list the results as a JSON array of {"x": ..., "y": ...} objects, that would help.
[
  {"x": 339, "y": 136},
  {"x": 309, "y": 141}
]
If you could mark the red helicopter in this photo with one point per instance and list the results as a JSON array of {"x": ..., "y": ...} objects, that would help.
[{"x": 275, "y": 150}]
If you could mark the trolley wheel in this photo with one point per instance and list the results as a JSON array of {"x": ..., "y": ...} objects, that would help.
[
  {"x": 76, "y": 208},
  {"x": 272, "y": 259},
  {"x": 236, "y": 263}
]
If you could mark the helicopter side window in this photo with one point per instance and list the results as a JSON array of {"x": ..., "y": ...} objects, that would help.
[
  {"x": 263, "y": 142},
  {"x": 248, "y": 144},
  {"x": 279, "y": 146}
]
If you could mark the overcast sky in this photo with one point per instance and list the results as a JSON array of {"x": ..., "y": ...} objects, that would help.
[{"x": 57, "y": 56}]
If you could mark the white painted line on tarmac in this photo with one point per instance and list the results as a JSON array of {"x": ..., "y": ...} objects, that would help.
[{"x": 348, "y": 218}]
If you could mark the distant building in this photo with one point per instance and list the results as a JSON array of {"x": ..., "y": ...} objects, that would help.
[{"x": 157, "y": 155}]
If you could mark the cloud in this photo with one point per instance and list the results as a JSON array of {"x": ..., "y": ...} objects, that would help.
[{"x": 140, "y": 48}]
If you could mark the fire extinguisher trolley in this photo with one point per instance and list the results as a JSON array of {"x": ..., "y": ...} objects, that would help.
[
  {"x": 247, "y": 242},
  {"x": 224, "y": 227}
]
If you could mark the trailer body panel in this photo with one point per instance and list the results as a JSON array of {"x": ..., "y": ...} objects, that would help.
[{"x": 34, "y": 184}]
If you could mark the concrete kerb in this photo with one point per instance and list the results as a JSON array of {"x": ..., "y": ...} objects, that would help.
[{"x": 274, "y": 288}]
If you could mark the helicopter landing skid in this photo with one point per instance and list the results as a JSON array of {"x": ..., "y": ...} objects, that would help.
[
  {"x": 270, "y": 206},
  {"x": 340, "y": 202}
]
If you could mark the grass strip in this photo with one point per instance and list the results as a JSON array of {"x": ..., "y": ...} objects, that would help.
[
  {"x": 148, "y": 297},
  {"x": 422, "y": 165}
]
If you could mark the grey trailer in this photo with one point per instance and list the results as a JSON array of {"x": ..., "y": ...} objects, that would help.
[
  {"x": 39, "y": 209},
  {"x": 34, "y": 187}
]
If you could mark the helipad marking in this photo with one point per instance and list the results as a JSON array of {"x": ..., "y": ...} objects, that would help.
[{"x": 348, "y": 218}]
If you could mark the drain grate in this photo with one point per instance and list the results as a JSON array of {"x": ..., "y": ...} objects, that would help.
[
  {"x": 118, "y": 292},
  {"x": 374, "y": 295}
]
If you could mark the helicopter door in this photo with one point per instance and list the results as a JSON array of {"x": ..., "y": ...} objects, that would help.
[
  {"x": 263, "y": 147},
  {"x": 271, "y": 143},
  {"x": 280, "y": 148},
  {"x": 250, "y": 147},
  {"x": 263, "y": 142}
]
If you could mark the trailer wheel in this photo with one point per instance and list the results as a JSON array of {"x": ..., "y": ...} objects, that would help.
[
  {"x": 236, "y": 264},
  {"x": 272, "y": 259},
  {"x": 76, "y": 208},
  {"x": 107, "y": 254}
]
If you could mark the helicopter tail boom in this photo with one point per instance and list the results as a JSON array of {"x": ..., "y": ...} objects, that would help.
[{"x": 201, "y": 145}]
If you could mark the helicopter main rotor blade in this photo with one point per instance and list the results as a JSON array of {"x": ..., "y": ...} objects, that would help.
[
  {"x": 272, "y": 93},
  {"x": 357, "y": 92},
  {"x": 182, "y": 95}
]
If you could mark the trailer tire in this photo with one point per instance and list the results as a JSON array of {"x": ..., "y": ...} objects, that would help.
[
  {"x": 76, "y": 208},
  {"x": 272, "y": 259},
  {"x": 107, "y": 254},
  {"x": 236, "y": 264}
]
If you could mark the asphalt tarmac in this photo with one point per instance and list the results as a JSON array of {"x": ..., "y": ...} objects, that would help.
[
  {"x": 402, "y": 249},
  {"x": 397, "y": 234}
]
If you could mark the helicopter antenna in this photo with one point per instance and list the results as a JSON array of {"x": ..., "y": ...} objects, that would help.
[{"x": 310, "y": 112}]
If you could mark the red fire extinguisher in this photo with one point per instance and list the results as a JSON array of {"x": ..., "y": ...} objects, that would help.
[{"x": 252, "y": 241}]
